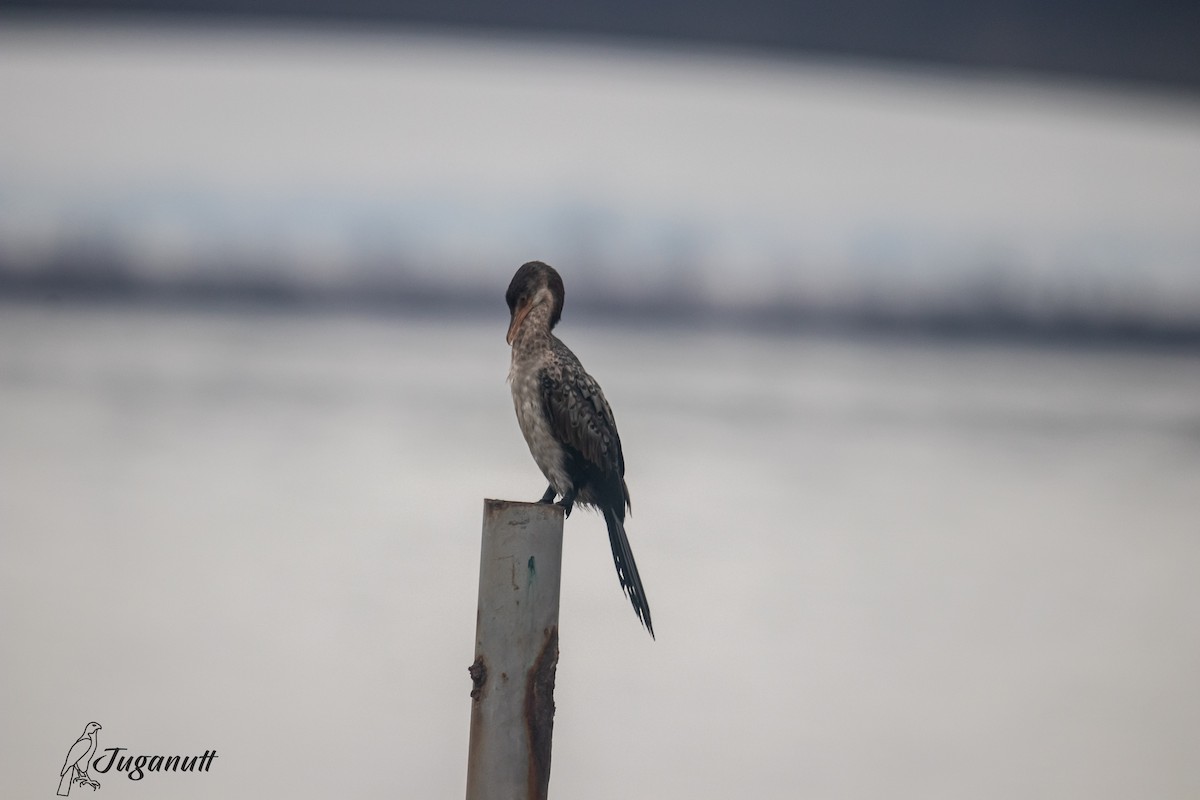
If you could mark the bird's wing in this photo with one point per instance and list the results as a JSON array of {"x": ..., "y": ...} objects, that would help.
[
  {"x": 78, "y": 750},
  {"x": 580, "y": 416}
]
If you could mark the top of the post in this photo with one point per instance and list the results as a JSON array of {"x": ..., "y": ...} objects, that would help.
[{"x": 547, "y": 511}]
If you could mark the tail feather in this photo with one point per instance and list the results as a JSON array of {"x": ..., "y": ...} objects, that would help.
[{"x": 627, "y": 570}]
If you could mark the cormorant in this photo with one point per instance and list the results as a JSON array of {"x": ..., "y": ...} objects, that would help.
[{"x": 566, "y": 421}]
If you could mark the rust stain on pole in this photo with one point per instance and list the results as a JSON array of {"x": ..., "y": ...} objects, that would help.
[
  {"x": 478, "y": 673},
  {"x": 539, "y": 715}
]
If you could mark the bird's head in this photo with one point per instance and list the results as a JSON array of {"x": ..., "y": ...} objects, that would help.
[
  {"x": 91, "y": 728},
  {"x": 535, "y": 284}
]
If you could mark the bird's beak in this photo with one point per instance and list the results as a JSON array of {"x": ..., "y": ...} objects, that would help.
[{"x": 518, "y": 317}]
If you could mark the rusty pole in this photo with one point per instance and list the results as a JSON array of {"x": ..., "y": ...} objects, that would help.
[{"x": 516, "y": 651}]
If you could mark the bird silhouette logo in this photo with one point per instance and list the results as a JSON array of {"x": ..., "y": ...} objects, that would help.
[{"x": 79, "y": 757}]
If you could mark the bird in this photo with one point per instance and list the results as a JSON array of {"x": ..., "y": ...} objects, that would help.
[
  {"x": 566, "y": 421},
  {"x": 75, "y": 768}
]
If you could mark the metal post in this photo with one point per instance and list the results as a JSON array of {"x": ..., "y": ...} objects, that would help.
[{"x": 516, "y": 651}]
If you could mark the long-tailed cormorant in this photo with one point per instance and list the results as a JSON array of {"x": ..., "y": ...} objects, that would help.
[{"x": 566, "y": 421}]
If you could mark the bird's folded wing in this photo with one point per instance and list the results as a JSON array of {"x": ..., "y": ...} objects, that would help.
[
  {"x": 78, "y": 751},
  {"x": 581, "y": 418}
]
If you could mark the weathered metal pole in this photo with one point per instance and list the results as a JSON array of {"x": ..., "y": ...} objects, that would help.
[{"x": 516, "y": 651}]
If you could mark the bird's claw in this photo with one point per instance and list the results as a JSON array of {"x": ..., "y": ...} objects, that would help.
[
  {"x": 88, "y": 782},
  {"x": 568, "y": 501}
]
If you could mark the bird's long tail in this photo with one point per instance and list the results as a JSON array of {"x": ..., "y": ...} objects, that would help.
[{"x": 627, "y": 570}]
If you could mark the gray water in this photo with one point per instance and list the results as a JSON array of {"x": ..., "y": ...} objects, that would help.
[{"x": 912, "y": 570}]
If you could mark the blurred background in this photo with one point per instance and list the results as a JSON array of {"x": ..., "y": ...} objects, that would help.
[{"x": 897, "y": 305}]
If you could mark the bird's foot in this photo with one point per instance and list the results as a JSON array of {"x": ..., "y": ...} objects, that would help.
[
  {"x": 86, "y": 781},
  {"x": 548, "y": 497},
  {"x": 568, "y": 502}
]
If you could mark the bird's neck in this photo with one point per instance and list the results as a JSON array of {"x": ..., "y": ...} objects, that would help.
[{"x": 535, "y": 330}]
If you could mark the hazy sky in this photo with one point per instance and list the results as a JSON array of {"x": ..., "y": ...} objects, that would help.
[{"x": 468, "y": 150}]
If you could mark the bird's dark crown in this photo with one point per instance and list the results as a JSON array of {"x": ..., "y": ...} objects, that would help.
[{"x": 530, "y": 278}]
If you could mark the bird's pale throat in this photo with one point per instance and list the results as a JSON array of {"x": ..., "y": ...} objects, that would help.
[{"x": 532, "y": 315}]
